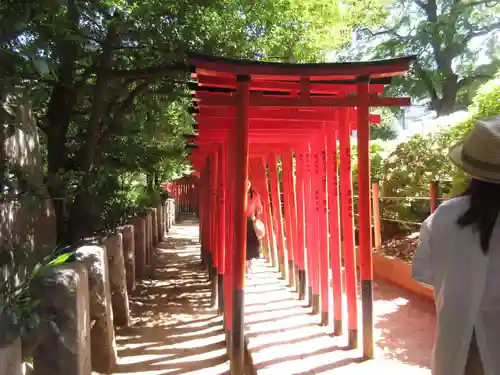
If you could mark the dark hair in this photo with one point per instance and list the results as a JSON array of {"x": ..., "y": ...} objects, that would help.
[
  {"x": 251, "y": 191},
  {"x": 483, "y": 210}
]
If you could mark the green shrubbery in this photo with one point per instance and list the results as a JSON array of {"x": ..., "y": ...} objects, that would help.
[{"x": 409, "y": 170}]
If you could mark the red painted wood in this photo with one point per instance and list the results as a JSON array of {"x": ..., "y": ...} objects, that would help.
[
  {"x": 301, "y": 197},
  {"x": 347, "y": 223},
  {"x": 334, "y": 222},
  {"x": 276, "y": 203},
  {"x": 277, "y": 71},
  {"x": 323, "y": 228}
]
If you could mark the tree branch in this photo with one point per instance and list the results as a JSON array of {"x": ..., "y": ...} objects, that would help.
[
  {"x": 466, "y": 81},
  {"x": 484, "y": 31},
  {"x": 150, "y": 72},
  {"x": 427, "y": 80}
]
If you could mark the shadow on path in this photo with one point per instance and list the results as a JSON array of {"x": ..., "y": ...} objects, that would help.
[{"x": 174, "y": 330}]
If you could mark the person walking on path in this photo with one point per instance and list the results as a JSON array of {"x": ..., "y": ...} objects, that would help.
[
  {"x": 254, "y": 211},
  {"x": 459, "y": 256}
]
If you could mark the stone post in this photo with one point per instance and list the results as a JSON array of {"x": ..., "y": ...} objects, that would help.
[
  {"x": 129, "y": 254},
  {"x": 64, "y": 291},
  {"x": 10, "y": 359},
  {"x": 139, "y": 224},
  {"x": 102, "y": 335},
  {"x": 118, "y": 279},
  {"x": 154, "y": 227},
  {"x": 161, "y": 222}
]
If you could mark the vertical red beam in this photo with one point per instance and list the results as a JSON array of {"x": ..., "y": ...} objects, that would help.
[
  {"x": 202, "y": 219},
  {"x": 310, "y": 227},
  {"x": 364, "y": 208},
  {"x": 323, "y": 234},
  {"x": 214, "y": 230},
  {"x": 301, "y": 235},
  {"x": 266, "y": 202},
  {"x": 348, "y": 227},
  {"x": 286, "y": 171},
  {"x": 433, "y": 194},
  {"x": 333, "y": 220},
  {"x": 293, "y": 169},
  {"x": 240, "y": 207},
  {"x": 316, "y": 246},
  {"x": 221, "y": 225},
  {"x": 228, "y": 274},
  {"x": 276, "y": 205},
  {"x": 260, "y": 178}
]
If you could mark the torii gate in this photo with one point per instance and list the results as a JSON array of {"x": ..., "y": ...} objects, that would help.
[{"x": 249, "y": 113}]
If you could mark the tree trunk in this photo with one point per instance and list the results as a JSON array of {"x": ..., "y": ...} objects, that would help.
[
  {"x": 447, "y": 104},
  {"x": 58, "y": 117},
  {"x": 78, "y": 222}
]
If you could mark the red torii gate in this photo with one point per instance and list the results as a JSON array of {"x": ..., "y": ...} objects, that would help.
[{"x": 249, "y": 113}]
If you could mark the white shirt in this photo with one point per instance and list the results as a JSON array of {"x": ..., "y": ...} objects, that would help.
[{"x": 466, "y": 288}]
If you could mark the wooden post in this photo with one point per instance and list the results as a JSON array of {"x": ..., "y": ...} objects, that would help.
[
  {"x": 364, "y": 207},
  {"x": 433, "y": 193},
  {"x": 348, "y": 227},
  {"x": 376, "y": 216},
  {"x": 240, "y": 224}
]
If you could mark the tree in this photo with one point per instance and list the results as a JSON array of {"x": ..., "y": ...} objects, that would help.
[
  {"x": 107, "y": 79},
  {"x": 450, "y": 37}
]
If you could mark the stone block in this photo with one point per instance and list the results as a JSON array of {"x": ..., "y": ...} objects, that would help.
[
  {"x": 10, "y": 359},
  {"x": 139, "y": 224},
  {"x": 102, "y": 335},
  {"x": 118, "y": 279},
  {"x": 149, "y": 238},
  {"x": 154, "y": 226},
  {"x": 127, "y": 232},
  {"x": 63, "y": 292},
  {"x": 161, "y": 222}
]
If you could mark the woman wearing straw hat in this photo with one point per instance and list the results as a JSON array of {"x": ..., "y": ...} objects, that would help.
[{"x": 459, "y": 256}]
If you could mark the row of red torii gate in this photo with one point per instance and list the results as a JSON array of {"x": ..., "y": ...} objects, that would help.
[{"x": 252, "y": 115}]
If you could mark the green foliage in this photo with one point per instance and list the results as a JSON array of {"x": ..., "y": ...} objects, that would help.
[
  {"x": 19, "y": 315},
  {"x": 410, "y": 169},
  {"x": 107, "y": 82},
  {"x": 456, "y": 43}
]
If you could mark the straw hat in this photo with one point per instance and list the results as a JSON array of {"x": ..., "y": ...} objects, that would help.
[{"x": 479, "y": 152}]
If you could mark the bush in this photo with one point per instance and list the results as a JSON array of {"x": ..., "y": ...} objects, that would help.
[{"x": 410, "y": 169}]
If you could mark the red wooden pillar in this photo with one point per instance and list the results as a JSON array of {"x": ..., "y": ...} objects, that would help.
[
  {"x": 333, "y": 220},
  {"x": 228, "y": 270},
  {"x": 286, "y": 174},
  {"x": 348, "y": 227},
  {"x": 301, "y": 234},
  {"x": 313, "y": 220},
  {"x": 318, "y": 250},
  {"x": 221, "y": 225},
  {"x": 240, "y": 223},
  {"x": 276, "y": 206},
  {"x": 214, "y": 230},
  {"x": 364, "y": 208},
  {"x": 268, "y": 217},
  {"x": 310, "y": 227},
  {"x": 323, "y": 234}
]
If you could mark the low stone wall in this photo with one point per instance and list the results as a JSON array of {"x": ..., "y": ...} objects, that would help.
[
  {"x": 10, "y": 359},
  {"x": 89, "y": 297},
  {"x": 102, "y": 336},
  {"x": 139, "y": 224},
  {"x": 64, "y": 350},
  {"x": 118, "y": 279}
]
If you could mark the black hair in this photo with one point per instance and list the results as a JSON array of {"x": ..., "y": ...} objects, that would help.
[
  {"x": 483, "y": 210},
  {"x": 251, "y": 191}
]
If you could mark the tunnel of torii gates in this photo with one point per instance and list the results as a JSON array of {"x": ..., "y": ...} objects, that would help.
[{"x": 251, "y": 114}]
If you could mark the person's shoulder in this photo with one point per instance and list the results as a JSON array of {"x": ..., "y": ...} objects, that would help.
[
  {"x": 448, "y": 211},
  {"x": 453, "y": 204}
]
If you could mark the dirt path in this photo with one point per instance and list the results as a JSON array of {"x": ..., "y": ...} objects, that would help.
[
  {"x": 284, "y": 338},
  {"x": 174, "y": 331}
]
